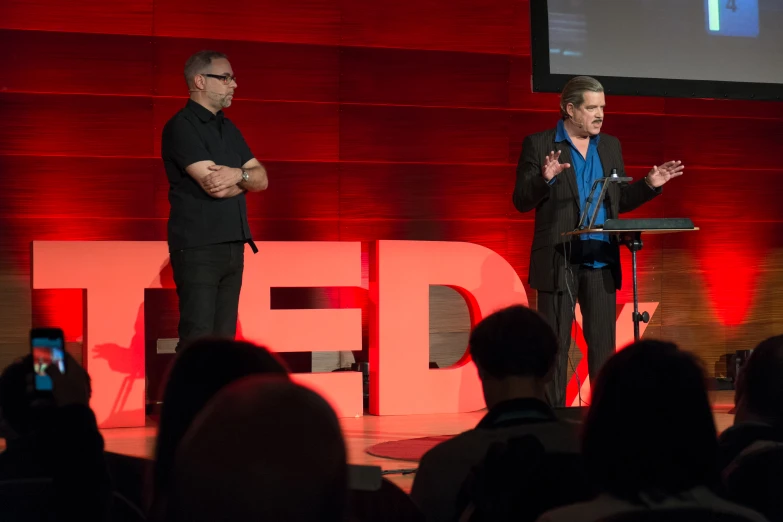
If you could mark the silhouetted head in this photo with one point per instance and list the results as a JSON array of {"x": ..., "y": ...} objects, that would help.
[
  {"x": 16, "y": 399},
  {"x": 759, "y": 394},
  {"x": 199, "y": 371},
  {"x": 650, "y": 428},
  {"x": 263, "y": 449},
  {"x": 514, "y": 350}
]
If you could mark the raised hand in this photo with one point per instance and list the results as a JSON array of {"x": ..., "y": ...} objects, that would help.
[
  {"x": 663, "y": 173},
  {"x": 552, "y": 166},
  {"x": 72, "y": 387}
]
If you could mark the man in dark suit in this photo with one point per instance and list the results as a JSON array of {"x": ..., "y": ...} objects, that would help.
[{"x": 556, "y": 171}]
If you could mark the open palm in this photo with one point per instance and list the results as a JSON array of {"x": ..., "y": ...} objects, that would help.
[
  {"x": 663, "y": 173},
  {"x": 552, "y": 166}
]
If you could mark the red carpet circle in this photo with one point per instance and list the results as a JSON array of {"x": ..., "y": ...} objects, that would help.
[{"x": 407, "y": 449}]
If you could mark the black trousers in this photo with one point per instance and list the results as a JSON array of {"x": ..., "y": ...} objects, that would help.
[
  {"x": 594, "y": 290},
  {"x": 208, "y": 281}
]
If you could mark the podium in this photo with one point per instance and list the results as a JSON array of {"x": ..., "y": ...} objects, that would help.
[{"x": 629, "y": 232}]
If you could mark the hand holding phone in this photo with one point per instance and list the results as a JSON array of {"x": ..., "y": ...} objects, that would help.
[
  {"x": 47, "y": 347},
  {"x": 70, "y": 388},
  {"x": 57, "y": 375}
]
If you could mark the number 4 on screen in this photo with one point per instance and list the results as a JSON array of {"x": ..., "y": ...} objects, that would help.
[{"x": 732, "y": 17}]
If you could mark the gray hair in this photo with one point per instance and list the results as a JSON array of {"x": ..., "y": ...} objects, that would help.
[
  {"x": 574, "y": 92},
  {"x": 199, "y": 63}
]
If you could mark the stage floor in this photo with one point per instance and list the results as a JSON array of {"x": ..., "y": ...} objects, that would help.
[{"x": 363, "y": 432}]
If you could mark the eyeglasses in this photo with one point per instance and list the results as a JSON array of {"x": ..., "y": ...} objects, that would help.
[{"x": 225, "y": 78}]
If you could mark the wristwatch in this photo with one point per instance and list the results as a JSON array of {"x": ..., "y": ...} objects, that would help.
[{"x": 245, "y": 175}]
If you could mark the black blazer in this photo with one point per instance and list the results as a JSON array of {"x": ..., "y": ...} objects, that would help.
[{"x": 557, "y": 205}]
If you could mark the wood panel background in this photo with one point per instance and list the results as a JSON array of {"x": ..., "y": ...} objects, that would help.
[{"x": 389, "y": 119}]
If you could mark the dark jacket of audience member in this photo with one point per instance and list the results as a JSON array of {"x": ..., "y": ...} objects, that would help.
[
  {"x": 519, "y": 479},
  {"x": 514, "y": 350}
]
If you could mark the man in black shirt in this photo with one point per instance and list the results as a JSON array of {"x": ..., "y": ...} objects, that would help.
[{"x": 209, "y": 167}]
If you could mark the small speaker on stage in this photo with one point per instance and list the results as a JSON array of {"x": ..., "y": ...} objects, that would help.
[{"x": 736, "y": 362}]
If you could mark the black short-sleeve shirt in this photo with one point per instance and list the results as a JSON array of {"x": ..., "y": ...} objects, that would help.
[{"x": 196, "y": 218}]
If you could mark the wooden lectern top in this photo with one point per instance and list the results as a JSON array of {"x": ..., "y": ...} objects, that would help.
[
  {"x": 647, "y": 225},
  {"x": 615, "y": 231}
]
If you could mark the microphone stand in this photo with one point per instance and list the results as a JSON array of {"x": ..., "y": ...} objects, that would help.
[
  {"x": 629, "y": 232},
  {"x": 613, "y": 178},
  {"x": 632, "y": 240}
]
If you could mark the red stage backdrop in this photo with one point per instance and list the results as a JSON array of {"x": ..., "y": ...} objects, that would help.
[{"x": 383, "y": 119}]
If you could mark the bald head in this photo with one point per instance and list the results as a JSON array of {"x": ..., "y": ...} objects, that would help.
[{"x": 265, "y": 449}]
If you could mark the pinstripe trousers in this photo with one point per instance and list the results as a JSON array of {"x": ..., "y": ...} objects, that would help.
[{"x": 594, "y": 290}]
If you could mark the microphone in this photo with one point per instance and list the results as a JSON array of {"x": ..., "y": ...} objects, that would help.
[
  {"x": 210, "y": 92},
  {"x": 615, "y": 178}
]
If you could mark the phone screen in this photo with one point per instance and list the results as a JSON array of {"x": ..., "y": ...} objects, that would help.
[{"x": 46, "y": 351}]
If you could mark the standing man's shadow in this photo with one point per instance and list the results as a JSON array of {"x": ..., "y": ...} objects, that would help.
[{"x": 130, "y": 360}]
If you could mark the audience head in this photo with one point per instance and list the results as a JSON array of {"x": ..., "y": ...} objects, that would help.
[
  {"x": 199, "y": 371},
  {"x": 650, "y": 428},
  {"x": 514, "y": 350},
  {"x": 759, "y": 393},
  {"x": 15, "y": 401},
  {"x": 22, "y": 410},
  {"x": 263, "y": 449}
]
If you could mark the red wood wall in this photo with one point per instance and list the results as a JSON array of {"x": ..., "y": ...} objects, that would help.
[{"x": 376, "y": 119}]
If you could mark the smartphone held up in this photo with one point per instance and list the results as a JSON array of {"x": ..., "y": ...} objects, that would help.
[{"x": 47, "y": 347}]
